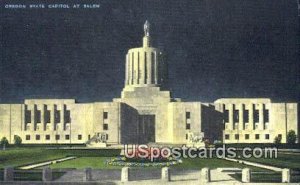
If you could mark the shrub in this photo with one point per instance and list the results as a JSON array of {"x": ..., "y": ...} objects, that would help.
[
  {"x": 4, "y": 141},
  {"x": 291, "y": 137},
  {"x": 277, "y": 140},
  {"x": 18, "y": 140}
]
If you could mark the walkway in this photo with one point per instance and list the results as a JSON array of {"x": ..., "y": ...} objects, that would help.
[
  {"x": 37, "y": 165},
  {"x": 268, "y": 167}
]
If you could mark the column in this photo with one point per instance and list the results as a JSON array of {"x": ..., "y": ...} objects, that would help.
[
  {"x": 62, "y": 117},
  {"x": 87, "y": 174},
  {"x": 43, "y": 124},
  {"x": 246, "y": 175},
  {"x": 52, "y": 121},
  {"x": 125, "y": 174},
  {"x": 286, "y": 175},
  {"x": 136, "y": 67},
  {"x": 126, "y": 69},
  {"x": 261, "y": 117},
  {"x": 231, "y": 122},
  {"x": 165, "y": 174},
  {"x": 132, "y": 68},
  {"x": 47, "y": 174},
  {"x": 129, "y": 69},
  {"x": 32, "y": 117},
  {"x": 205, "y": 176},
  {"x": 24, "y": 107},
  {"x": 241, "y": 117},
  {"x": 142, "y": 67},
  {"x": 251, "y": 118},
  {"x": 8, "y": 174},
  {"x": 149, "y": 68},
  {"x": 155, "y": 67}
]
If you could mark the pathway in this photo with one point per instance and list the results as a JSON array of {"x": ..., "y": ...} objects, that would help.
[{"x": 37, "y": 165}]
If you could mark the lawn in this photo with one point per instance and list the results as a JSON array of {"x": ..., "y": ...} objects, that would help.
[
  {"x": 16, "y": 157},
  {"x": 197, "y": 163},
  {"x": 20, "y": 156},
  {"x": 282, "y": 161}
]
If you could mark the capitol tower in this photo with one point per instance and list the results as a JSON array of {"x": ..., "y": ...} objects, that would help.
[
  {"x": 145, "y": 77},
  {"x": 145, "y": 66}
]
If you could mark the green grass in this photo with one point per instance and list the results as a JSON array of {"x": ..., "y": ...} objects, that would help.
[
  {"x": 85, "y": 162},
  {"x": 20, "y": 156},
  {"x": 197, "y": 163},
  {"x": 282, "y": 161},
  {"x": 16, "y": 157}
]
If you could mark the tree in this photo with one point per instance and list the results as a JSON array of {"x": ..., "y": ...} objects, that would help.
[
  {"x": 4, "y": 142},
  {"x": 277, "y": 139},
  {"x": 18, "y": 140},
  {"x": 291, "y": 137}
]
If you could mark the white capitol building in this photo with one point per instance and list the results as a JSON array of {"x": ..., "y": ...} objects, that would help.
[{"x": 147, "y": 113}]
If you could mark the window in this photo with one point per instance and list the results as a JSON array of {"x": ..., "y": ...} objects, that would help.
[
  {"x": 27, "y": 116},
  {"x": 37, "y": 137},
  {"x": 186, "y": 136},
  {"x": 227, "y": 136},
  {"x": 226, "y": 116},
  {"x": 188, "y": 126},
  {"x": 236, "y": 136},
  {"x": 267, "y": 136},
  {"x": 246, "y": 116},
  {"x": 188, "y": 115},
  {"x": 47, "y": 137},
  {"x": 105, "y": 115},
  {"x": 266, "y": 115},
  {"x": 106, "y": 137},
  {"x": 38, "y": 116},
  {"x": 79, "y": 137},
  {"x": 47, "y": 116},
  {"x": 89, "y": 136},
  {"x": 279, "y": 135},
  {"x": 57, "y": 137},
  {"x": 256, "y": 136},
  {"x": 27, "y": 137},
  {"x": 235, "y": 116},
  {"x": 67, "y": 137},
  {"x": 256, "y": 116},
  {"x": 67, "y": 116},
  {"x": 57, "y": 116},
  {"x": 105, "y": 126},
  {"x": 247, "y": 136}
]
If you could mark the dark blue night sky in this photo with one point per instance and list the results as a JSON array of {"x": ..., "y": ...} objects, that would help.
[{"x": 215, "y": 49}]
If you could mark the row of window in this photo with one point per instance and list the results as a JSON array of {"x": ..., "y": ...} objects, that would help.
[
  {"x": 246, "y": 115},
  {"x": 38, "y": 115},
  {"x": 48, "y": 137},
  {"x": 247, "y": 136}
]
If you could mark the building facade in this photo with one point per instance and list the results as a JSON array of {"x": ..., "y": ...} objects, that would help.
[{"x": 147, "y": 113}]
